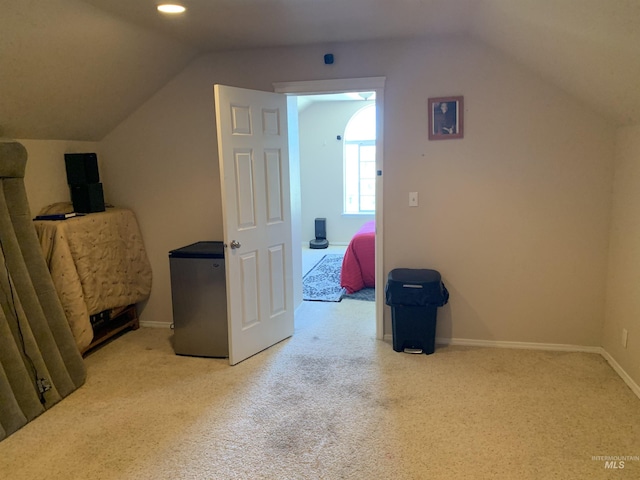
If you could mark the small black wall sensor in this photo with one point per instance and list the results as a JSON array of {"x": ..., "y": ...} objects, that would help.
[{"x": 328, "y": 59}]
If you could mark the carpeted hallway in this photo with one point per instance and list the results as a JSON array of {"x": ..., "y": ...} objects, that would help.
[{"x": 333, "y": 402}]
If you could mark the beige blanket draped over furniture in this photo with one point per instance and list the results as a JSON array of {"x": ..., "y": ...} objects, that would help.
[
  {"x": 39, "y": 361},
  {"x": 98, "y": 263}
]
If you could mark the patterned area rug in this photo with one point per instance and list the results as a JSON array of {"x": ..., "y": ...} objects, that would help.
[
  {"x": 366, "y": 294},
  {"x": 322, "y": 283}
]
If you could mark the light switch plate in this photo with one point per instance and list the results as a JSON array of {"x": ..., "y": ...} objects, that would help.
[{"x": 413, "y": 199}]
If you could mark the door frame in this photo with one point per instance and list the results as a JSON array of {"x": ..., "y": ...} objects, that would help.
[{"x": 340, "y": 85}]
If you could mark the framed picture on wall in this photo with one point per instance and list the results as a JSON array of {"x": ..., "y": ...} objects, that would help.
[{"x": 446, "y": 118}]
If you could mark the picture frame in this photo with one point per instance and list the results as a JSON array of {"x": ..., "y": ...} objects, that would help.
[{"x": 446, "y": 118}]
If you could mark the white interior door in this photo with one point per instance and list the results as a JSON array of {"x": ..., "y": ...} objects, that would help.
[{"x": 254, "y": 169}]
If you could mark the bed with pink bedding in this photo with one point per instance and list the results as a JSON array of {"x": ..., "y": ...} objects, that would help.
[{"x": 359, "y": 265}]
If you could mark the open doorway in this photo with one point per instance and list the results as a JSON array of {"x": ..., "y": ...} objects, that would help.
[
  {"x": 352, "y": 95},
  {"x": 337, "y": 138}
]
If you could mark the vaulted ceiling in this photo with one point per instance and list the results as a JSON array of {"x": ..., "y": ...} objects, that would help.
[{"x": 74, "y": 69}]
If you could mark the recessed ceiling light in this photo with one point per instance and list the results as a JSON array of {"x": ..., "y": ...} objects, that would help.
[{"x": 169, "y": 8}]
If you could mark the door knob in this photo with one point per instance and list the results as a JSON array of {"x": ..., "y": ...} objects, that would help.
[{"x": 235, "y": 244}]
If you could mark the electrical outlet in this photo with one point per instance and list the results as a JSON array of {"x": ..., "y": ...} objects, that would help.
[{"x": 625, "y": 334}]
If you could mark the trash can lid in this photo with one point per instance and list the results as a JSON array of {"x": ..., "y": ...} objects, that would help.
[
  {"x": 414, "y": 275},
  {"x": 415, "y": 287}
]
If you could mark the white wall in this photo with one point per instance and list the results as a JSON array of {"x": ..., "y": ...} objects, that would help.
[
  {"x": 321, "y": 169},
  {"x": 45, "y": 176},
  {"x": 623, "y": 299},
  {"x": 515, "y": 215}
]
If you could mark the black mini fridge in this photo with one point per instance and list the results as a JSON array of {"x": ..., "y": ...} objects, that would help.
[{"x": 199, "y": 300}]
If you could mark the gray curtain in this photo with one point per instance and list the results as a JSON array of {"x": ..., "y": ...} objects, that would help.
[{"x": 39, "y": 361}]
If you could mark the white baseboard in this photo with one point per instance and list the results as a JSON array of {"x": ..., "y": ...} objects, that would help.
[
  {"x": 467, "y": 342},
  {"x": 635, "y": 388},
  {"x": 558, "y": 347},
  {"x": 155, "y": 324}
]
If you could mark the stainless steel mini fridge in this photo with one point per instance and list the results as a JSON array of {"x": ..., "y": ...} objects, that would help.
[{"x": 199, "y": 298}]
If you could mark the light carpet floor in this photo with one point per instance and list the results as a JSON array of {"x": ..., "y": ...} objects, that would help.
[{"x": 332, "y": 402}]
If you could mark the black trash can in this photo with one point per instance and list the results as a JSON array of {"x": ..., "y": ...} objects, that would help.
[{"x": 414, "y": 296}]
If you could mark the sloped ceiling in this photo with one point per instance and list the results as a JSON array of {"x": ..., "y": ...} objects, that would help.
[
  {"x": 72, "y": 69},
  {"x": 590, "y": 48}
]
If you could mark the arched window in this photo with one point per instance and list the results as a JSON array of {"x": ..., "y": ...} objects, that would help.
[{"x": 360, "y": 162}]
